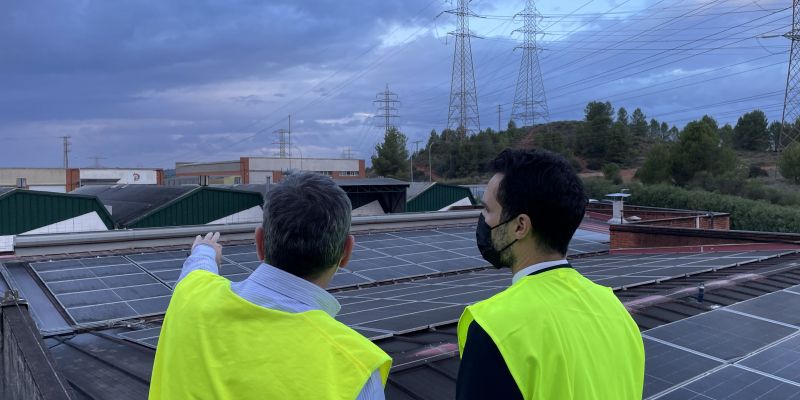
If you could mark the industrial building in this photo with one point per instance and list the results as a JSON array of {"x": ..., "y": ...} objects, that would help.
[
  {"x": 717, "y": 308},
  {"x": 269, "y": 169},
  {"x": 434, "y": 196},
  {"x": 64, "y": 180}
]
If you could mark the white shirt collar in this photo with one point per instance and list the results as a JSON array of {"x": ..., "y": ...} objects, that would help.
[{"x": 535, "y": 268}]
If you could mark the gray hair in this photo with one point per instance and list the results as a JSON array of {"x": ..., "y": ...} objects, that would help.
[{"x": 306, "y": 223}]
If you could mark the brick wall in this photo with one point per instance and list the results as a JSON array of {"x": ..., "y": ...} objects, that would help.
[
  {"x": 722, "y": 222},
  {"x": 635, "y": 236}
]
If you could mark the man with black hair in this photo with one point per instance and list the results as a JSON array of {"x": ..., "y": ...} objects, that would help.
[
  {"x": 272, "y": 335},
  {"x": 553, "y": 334}
]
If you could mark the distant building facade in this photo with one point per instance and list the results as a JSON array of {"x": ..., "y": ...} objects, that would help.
[
  {"x": 64, "y": 180},
  {"x": 268, "y": 169}
]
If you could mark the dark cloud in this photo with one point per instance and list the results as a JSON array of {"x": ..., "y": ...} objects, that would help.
[{"x": 155, "y": 82}]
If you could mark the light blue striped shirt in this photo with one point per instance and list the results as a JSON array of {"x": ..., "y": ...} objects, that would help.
[{"x": 276, "y": 289}]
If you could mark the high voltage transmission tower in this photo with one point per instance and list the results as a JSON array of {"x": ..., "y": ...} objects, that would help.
[
  {"x": 347, "y": 153},
  {"x": 791, "y": 100},
  {"x": 530, "y": 103},
  {"x": 67, "y": 143},
  {"x": 387, "y": 102},
  {"x": 462, "y": 115},
  {"x": 284, "y": 143}
]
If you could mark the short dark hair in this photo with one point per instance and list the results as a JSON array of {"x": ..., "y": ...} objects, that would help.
[
  {"x": 306, "y": 223},
  {"x": 543, "y": 186}
]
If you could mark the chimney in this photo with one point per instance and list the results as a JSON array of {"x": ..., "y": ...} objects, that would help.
[
  {"x": 22, "y": 183},
  {"x": 204, "y": 180}
]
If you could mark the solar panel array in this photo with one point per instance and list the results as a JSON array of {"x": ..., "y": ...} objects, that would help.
[
  {"x": 627, "y": 270},
  {"x": 750, "y": 350},
  {"x": 104, "y": 288},
  {"x": 97, "y": 289}
]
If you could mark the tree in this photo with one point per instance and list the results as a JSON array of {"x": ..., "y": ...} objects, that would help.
[
  {"x": 657, "y": 166},
  {"x": 789, "y": 164},
  {"x": 664, "y": 131},
  {"x": 593, "y": 135},
  {"x": 619, "y": 148},
  {"x": 638, "y": 124},
  {"x": 750, "y": 132},
  {"x": 774, "y": 131},
  {"x": 391, "y": 156},
  {"x": 672, "y": 133},
  {"x": 710, "y": 121},
  {"x": 698, "y": 149},
  {"x": 726, "y": 135},
  {"x": 655, "y": 129},
  {"x": 622, "y": 116},
  {"x": 552, "y": 141}
]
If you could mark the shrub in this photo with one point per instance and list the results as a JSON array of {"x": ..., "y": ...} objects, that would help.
[{"x": 612, "y": 173}]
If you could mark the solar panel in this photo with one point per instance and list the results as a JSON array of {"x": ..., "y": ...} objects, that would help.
[
  {"x": 146, "y": 337},
  {"x": 779, "y": 306},
  {"x": 732, "y": 383},
  {"x": 721, "y": 334},
  {"x": 781, "y": 360},
  {"x": 99, "y": 289},
  {"x": 418, "y": 320},
  {"x": 387, "y": 274},
  {"x": 667, "y": 366}
]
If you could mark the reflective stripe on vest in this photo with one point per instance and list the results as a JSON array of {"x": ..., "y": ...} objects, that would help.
[
  {"x": 217, "y": 345},
  {"x": 563, "y": 337}
]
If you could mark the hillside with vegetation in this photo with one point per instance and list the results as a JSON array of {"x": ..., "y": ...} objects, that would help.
[{"x": 705, "y": 166}]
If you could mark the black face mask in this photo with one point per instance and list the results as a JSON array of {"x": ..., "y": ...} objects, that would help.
[{"x": 484, "y": 237}]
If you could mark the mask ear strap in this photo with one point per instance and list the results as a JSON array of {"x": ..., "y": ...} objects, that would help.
[
  {"x": 505, "y": 222},
  {"x": 507, "y": 246}
]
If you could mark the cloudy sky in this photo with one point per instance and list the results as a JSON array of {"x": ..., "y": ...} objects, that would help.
[{"x": 150, "y": 83}]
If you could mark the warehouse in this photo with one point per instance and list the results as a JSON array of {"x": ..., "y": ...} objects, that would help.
[
  {"x": 64, "y": 180},
  {"x": 261, "y": 170}
]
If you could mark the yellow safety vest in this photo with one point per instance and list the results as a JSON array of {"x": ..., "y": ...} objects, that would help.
[
  {"x": 216, "y": 345},
  {"x": 563, "y": 337}
]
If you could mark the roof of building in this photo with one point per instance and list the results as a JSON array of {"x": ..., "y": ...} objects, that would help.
[
  {"x": 129, "y": 202},
  {"x": 434, "y": 196},
  {"x": 135, "y": 206},
  {"x": 406, "y": 288},
  {"x": 16, "y": 205},
  {"x": 371, "y": 182}
]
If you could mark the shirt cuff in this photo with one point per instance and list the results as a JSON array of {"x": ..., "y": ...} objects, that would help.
[{"x": 204, "y": 250}]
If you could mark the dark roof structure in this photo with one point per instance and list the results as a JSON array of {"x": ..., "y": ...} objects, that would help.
[
  {"x": 390, "y": 193},
  {"x": 405, "y": 289},
  {"x": 146, "y": 206},
  {"x": 23, "y": 210}
]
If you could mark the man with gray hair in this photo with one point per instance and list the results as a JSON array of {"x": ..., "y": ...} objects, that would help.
[{"x": 272, "y": 335}]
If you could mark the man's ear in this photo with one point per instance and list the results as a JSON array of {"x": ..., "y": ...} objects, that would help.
[
  {"x": 523, "y": 226},
  {"x": 349, "y": 244},
  {"x": 260, "y": 245}
]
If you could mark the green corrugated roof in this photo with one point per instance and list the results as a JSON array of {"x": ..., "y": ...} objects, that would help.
[
  {"x": 23, "y": 210},
  {"x": 436, "y": 196}
]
